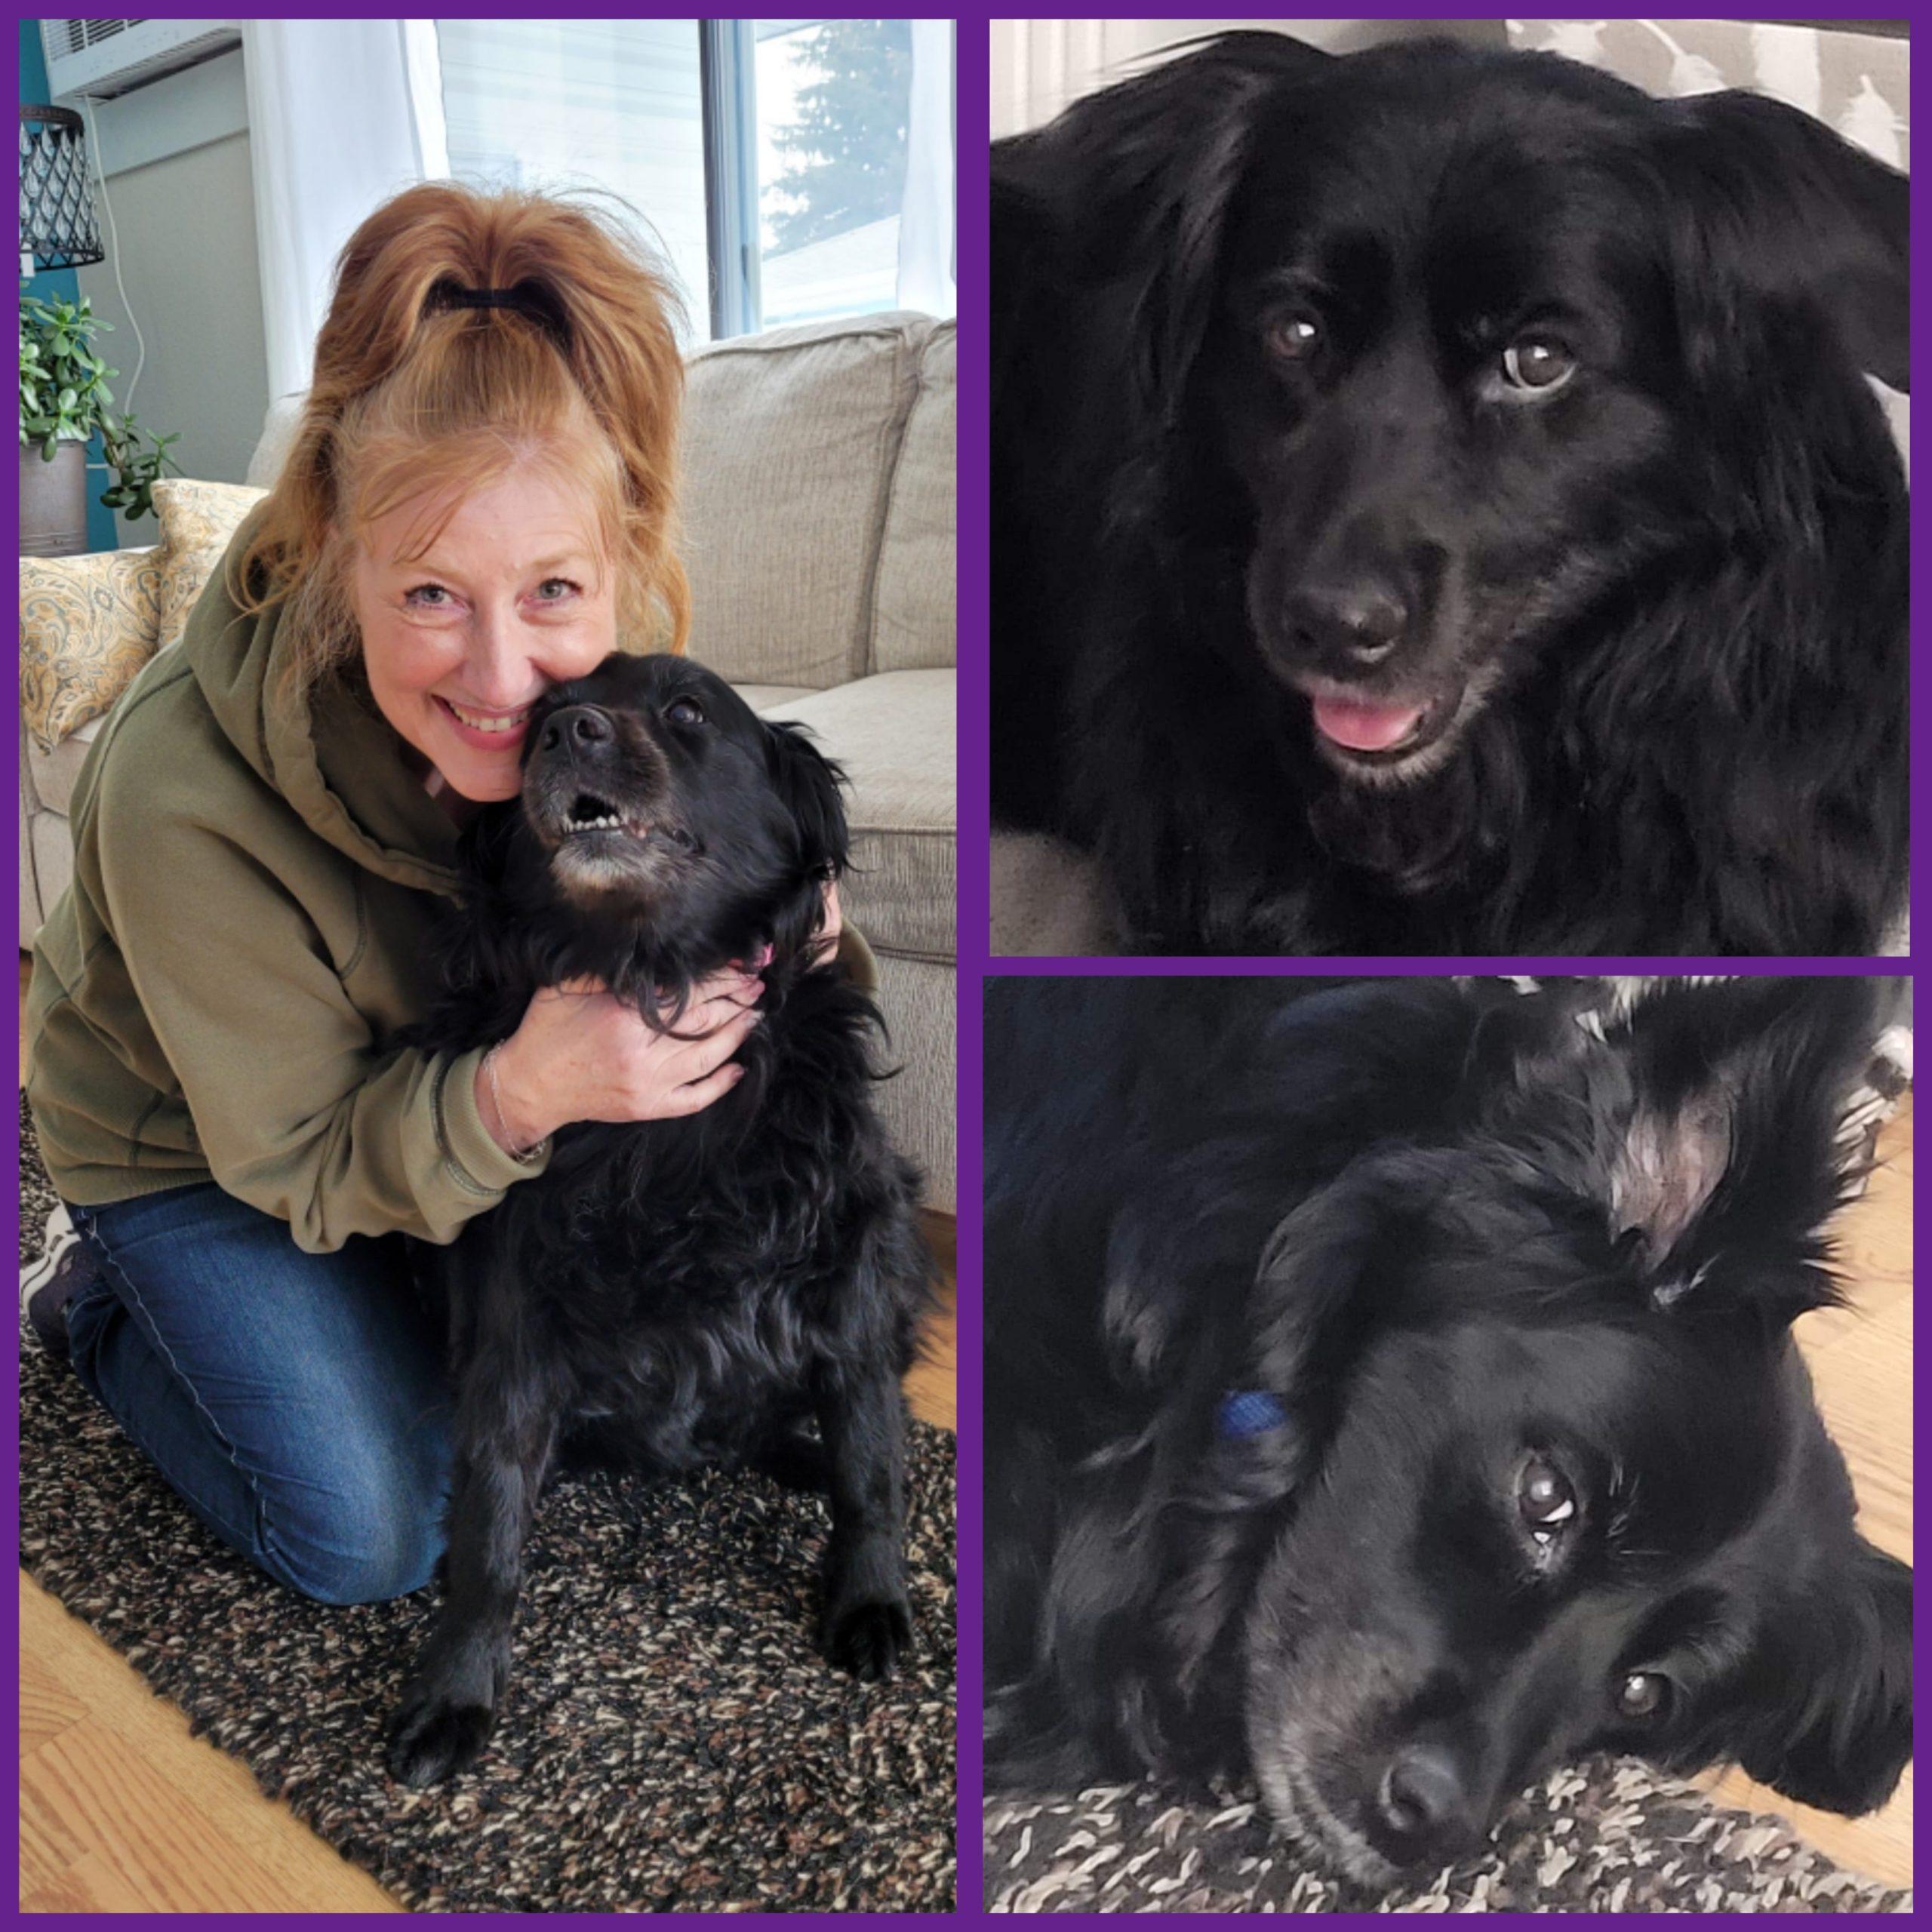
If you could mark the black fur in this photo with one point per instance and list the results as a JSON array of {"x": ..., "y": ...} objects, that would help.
[
  {"x": 1451, "y": 1233},
  {"x": 1652, "y": 621},
  {"x": 674, "y": 1293}
]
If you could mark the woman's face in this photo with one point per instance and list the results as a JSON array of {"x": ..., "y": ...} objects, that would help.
[{"x": 511, "y": 598}]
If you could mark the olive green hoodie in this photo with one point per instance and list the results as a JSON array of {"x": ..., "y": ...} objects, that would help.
[{"x": 215, "y": 995}]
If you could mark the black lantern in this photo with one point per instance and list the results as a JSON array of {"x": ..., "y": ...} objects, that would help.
[{"x": 57, "y": 228}]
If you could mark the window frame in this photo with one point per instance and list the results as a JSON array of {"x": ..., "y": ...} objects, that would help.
[{"x": 727, "y": 71}]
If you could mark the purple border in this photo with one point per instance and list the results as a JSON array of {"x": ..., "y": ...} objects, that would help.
[
  {"x": 12, "y": 1449},
  {"x": 1064, "y": 966},
  {"x": 974, "y": 123},
  {"x": 975, "y": 922},
  {"x": 973, "y": 102},
  {"x": 974, "y": 906}
]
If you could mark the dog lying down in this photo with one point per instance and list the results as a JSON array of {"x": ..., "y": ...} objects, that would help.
[
  {"x": 1391, "y": 1396},
  {"x": 672, "y": 1294}
]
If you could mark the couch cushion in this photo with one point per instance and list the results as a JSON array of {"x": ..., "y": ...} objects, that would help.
[
  {"x": 893, "y": 733},
  {"x": 920, "y": 1103},
  {"x": 197, "y": 521},
  {"x": 761, "y": 697},
  {"x": 51, "y": 776},
  {"x": 1048, "y": 898},
  {"x": 912, "y": 615},
  {"x": 53, "y": 870},
  {"x": 87, "y": 626},
  {"x": 788, "y": 446}
]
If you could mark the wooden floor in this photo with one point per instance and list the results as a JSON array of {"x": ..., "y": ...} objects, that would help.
[
  {"x": 1861, "y": 1359},
  {"x": 122, "y": 1810}
]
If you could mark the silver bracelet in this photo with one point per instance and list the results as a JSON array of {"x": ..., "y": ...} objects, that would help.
[{"x": 525, "y": 1155}]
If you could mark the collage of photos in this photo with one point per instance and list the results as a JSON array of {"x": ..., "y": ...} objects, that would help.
[{"x": 965, "y": 966}]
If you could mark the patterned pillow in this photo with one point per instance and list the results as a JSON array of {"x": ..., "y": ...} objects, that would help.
[
  {"x": 197, "y": 521},
  {"x": 88, "y": 624}
]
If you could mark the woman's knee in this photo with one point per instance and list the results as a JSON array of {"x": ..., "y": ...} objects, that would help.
[
  {"x": 297, "y": 1401},
  {"x": 370, "y": 1529}
]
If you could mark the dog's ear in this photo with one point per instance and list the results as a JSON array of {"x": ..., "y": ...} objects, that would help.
[
  {"x": 1835, "y": 1728},
  {"x": 808, "y": 784},
  {"x": 1129, "y": 189},
  {"x": 1719, "y": 1151},
  {"x": 1245, "y": 1362},
  {"x": 1784, "y": 208},
  {"x": 1208, "y": 1297}
]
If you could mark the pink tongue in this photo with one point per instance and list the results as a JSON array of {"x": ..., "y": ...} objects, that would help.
[{"x": 1366, "y": 727}]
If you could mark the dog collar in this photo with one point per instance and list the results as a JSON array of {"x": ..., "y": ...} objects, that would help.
[{"x": 1249, "y": 1412}]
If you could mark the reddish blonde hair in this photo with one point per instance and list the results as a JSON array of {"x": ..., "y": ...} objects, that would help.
[{"x": 415, "y": 400}]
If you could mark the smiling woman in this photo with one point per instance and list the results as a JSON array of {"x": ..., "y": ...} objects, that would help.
[
  {"x": 459, "y": 644},
  {"x": 478, "y": 506}
]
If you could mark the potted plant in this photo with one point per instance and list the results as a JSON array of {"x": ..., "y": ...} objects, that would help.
[{"x": 64, "y": 399}]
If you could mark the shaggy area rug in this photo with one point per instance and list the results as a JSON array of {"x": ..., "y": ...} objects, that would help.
[
  {"x": 671, "y": 1742},
  {"x": 1610, "y": 1836}
]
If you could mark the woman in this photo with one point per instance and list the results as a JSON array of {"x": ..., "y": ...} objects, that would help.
[{"x": 478, "y": 505}]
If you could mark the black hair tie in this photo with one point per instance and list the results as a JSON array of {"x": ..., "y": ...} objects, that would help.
[{"x": 529, "y": 299}]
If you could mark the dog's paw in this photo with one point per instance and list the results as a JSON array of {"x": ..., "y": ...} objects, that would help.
[
  {"x": 868, "y": 1639},
  {"x": 433, "y": 1738}
]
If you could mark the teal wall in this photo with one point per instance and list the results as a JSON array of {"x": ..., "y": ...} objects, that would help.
[{"x": 64, "y": 284}]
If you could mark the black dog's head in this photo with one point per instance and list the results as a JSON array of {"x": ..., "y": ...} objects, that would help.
[
  {"x": 665, "y": 829},
  {"x": 1538, "y": 1471},
  {"x": 1471, "y": 342}
]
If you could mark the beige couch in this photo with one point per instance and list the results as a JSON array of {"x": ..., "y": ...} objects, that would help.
[{"x": 819, "y": 536}]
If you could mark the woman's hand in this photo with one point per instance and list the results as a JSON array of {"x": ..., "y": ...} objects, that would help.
[{"x": 581, "y": 1053}]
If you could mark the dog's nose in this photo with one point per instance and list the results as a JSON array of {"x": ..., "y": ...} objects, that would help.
[
  {"x": 1424, "y": 1800},
  {"x": 1348, "y": 626},
  {"x": 576, "y": 725}
]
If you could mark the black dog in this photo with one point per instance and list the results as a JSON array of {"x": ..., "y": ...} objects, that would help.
[
  {"x": 1390, "y": 1393},
  {"x": 674, "y": 1293},
  {"x": 1438, "y": 508}
]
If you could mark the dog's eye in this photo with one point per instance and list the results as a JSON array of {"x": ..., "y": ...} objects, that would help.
[
  {"x": 685, "y": 711},
  {"x": 1644, "y": 1696},
  {"x": 1544, "y": 1499},
  {"x": 1538, "y": 363},
  {"x": 1294, "y": 338}
]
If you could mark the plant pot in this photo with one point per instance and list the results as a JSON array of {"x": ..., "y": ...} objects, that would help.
[{"x": 53, "y": 502}]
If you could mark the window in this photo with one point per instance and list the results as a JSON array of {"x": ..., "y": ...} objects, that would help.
[
  {"x": 834, "y": 98},
  {"x": 610, "y": 104},
  {"x": 791, "y": 171}
]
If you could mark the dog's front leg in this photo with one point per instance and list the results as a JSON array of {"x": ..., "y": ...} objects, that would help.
[
  {"x": 868, "y": 1621},
  {"x": 505, "y": 1434}
]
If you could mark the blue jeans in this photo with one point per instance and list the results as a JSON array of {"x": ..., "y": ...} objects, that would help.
[{"x": 298, "y": 1402}]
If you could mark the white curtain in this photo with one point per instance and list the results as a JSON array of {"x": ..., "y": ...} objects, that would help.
[
  {"x": 342, "y": 115},
  {"x": 927, "y": 274}
]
